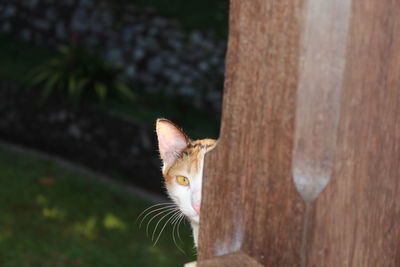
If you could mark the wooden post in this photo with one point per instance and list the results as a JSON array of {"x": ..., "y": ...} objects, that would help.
[{"x": 307, "y": 169}]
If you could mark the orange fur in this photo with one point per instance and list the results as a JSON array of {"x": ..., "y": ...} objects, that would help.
[
  {"x": 189, "y": 158},
  {"x": 183, "y": 157}
]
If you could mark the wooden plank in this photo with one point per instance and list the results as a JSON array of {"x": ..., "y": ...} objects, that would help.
[
  {"x": 250, "y": 203},
  {"x": 237, "y": 259},
  {"x": 322, "y": 68},
  {"x": 355, "y": 222}
]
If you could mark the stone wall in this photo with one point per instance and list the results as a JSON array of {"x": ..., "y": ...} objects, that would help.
[{"x": 157, "y": 55}]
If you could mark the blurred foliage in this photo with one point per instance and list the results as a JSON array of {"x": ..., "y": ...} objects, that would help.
[
  {"x": 55, "y": 217},
  {"x": 148, "y": 107},
  {"x": 192, "y": 14},
  {"x": 18, "y": 57},
  {"x": 78, "y": 72}
]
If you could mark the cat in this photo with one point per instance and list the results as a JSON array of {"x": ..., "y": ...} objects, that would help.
[{"x": 182, "y": 169}]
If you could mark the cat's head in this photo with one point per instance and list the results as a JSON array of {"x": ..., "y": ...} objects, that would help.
[{"x": 182, "y": 166}]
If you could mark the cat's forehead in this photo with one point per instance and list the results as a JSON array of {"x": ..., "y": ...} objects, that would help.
[
  {"x": 199, "y": 146},
  {"x": 189, "y": 161}
]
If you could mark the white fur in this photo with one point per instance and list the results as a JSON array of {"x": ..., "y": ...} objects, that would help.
[
  {"x": 171, "y": 141},
  {"x": 187, "y": 196},
  {"x": 191, "y": 264}
]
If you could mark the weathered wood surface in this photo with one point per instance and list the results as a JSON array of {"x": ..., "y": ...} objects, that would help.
[
  {"x": 278, "y": 63},
  {"x": 238, "y": 259},
  {"x": 355, "y": 222},
  {"x": 248, "y": 178}
]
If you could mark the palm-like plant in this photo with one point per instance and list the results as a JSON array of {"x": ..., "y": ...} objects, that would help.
[{"x": 79, "y": 72}]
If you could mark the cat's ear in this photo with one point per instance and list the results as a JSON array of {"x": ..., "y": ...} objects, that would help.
[{"x": 171, "y": 140}]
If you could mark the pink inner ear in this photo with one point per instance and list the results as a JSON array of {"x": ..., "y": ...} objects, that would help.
[{"x": 171, "y": 140}]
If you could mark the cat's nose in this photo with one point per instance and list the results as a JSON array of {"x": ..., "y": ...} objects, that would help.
[{"x": 196, "y": 207}]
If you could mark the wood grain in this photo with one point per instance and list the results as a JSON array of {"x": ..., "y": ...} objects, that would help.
[
  {"x": 238, "y": 259},
  {"x": 355, "y": 222},
  {"x": 249, "y": 175},
  {"x": 250, "y": 204},
  {"x": 322, "y": 68}
]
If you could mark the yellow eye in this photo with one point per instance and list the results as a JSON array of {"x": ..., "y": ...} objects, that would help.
[{"x": 182, "y": 180}]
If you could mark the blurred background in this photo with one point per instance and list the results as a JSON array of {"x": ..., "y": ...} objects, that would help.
[{"x": 81, "y": 85}]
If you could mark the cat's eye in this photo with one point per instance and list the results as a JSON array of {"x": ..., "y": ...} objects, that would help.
[{"x": 182, "y": 180}]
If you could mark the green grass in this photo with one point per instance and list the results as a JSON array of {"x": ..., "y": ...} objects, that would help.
[{"x": 51, "y": 216}]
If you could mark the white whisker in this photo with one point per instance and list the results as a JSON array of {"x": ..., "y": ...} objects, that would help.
[
  {"x": 176, "y": 217},
  {"x": 155, "y": 228},
  {"x": 153, "y": 211},
  {"x": 175, "y": 222},
  {"x": 155, "y": 216},
  {"x": 162, "y": 229},
  {"x": 173, "y": 229},
  {"x": 182, "y": 218},
  {"x": 153, "y": 206}
]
